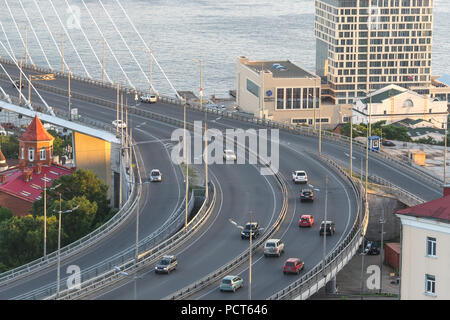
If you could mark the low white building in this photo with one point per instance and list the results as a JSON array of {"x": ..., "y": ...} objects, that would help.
[
  {"x": 425, "y": 250},
  {"x": 394, "y": 103}
]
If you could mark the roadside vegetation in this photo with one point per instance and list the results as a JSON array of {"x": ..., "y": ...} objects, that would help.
[{"x": 22, "y": 238}]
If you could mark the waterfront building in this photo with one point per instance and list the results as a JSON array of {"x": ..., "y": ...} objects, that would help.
[{"x": 367, "y": 44}]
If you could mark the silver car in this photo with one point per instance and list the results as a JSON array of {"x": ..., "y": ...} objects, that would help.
[
  {"x": 155, "y": 176},
  {"x": 273, "y": 247}
]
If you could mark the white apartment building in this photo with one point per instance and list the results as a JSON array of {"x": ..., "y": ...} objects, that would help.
[
  {"x": 368, "y": 44},
  {"x": 394, "y": 103},
  {"x": 425, "y": 251}
]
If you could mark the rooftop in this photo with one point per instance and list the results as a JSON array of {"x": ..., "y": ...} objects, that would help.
[
  {"x": 280, "y": 69},
  {"x": 438, "y": 209},
  {"x": 444, "y": 79},
  {"x": 31, "y": 191},
  {"x": 36, "y": 132},
  {"x": 381, "y": 96}
]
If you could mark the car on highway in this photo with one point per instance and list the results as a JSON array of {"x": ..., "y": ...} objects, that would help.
[
  {"x": 155, "y": 176},
  {"x": 229, "y": 155},
  {"x": 17, "y": 84},
  {"x": 388, "y": 143},
  {"x": 216, "y": 107},
  {"x": 306, "y": 220},
  {"x": 330, "y": 228},
  {"x": 273, "y": 247},
  {"x": 119, "y": 124},
  {"x": 306, "y": 195},
  {"x": 166, "y": 264},
  {"x": 293, "y": 265},
  {"x": 231, "y": 283},
  {"x": 299, "y": 176},
  {"x": 253, "y": 227},
  {"x": 149, "y": 98}
]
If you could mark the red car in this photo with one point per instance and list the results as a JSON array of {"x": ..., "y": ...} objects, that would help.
[
  {"x": 293, "y": 265},
  {"x": 306, "y": 220}
]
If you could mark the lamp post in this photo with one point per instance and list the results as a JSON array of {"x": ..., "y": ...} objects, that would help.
[
  {"x": 103, "y": 59},
  {"x": 59, "y": 244},
  {"x": 445, "y": 149},
  {"x": 201, "y": 80},
  {"x": 250, "y": 251},
  {"x": 45, "y": 213},
  {"x": 325, "y": 224},
  {"x": 150, "y": 67}
]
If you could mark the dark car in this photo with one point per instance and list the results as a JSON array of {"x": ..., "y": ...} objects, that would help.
[
  {"x": 166, "y": 264},
  {"x": 371, "y": 248},
  {"x": 307, "y": 195},
  {"x": 17, "y": 84},
  {"x": 330, "y": 228},
  {"x": 387, "y": 143},
  {"x": 245, "y": 234}
]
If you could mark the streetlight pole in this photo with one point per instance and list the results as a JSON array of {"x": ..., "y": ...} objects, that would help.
[
  {"x": 59, "y": 245},
  {"x": 325, "y": 223},
  {"x": 320, "y": 133},
  {"x": 69, "y": 95},
  {"x": 382, "y": 222},
  {"x": 445, "y": 150},
  {"x": 20, "y": 82},
  {"x": 369, "y": 132},
  {"x": 362, "y": 247},
  {"x": 250, "y": 264},
  {"x": 187, "y": 167},
  {"x": 45, "y": 213}
]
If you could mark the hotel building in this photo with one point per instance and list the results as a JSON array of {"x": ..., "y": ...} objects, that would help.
[{"x": 367, "y": 44}]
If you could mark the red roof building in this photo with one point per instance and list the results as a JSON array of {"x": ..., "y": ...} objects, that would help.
[
  {"x": 438, "y": 209},
  {"x": 21, "y": 186}
]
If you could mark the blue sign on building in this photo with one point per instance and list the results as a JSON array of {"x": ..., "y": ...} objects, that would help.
[{"x": 374, "y": 143}]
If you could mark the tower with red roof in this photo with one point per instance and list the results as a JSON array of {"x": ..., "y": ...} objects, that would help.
[{"x": 35, "y": 145}]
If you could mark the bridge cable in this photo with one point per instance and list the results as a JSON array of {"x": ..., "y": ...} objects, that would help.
[
  {"x": 70, "y": 39},
  {"x": 7, "y": 40},
  {"x": 51, "y": 34},
  {"x": 18, "y": 31},
  {"x": 123, "y": 40},
  {"x": 157, "y": 63},
  {"x": 30, "y": 83},
  {"x": 107, "y": 43},
  {"x": 35, "y": 35},
  {"x": 89, "y": 43}
]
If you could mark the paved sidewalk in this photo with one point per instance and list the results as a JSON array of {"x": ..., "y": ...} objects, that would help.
[{"x": 348, "y": 282}]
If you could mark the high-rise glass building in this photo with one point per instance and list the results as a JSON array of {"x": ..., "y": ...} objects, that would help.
[{"x": 363, "y": 45}]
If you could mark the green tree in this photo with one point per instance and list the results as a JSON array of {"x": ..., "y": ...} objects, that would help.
[
  {"x": 5, "y": 214},
  {"x": 57, "y": 143},
  {"x": 10, "y": 147}
]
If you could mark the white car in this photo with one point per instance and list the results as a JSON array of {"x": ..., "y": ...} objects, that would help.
[
  {"x": 119, "y": 124},
  {"x": 273, "y": 247},
  {"x": 155, "y": 175},
  {"x": 299, "y": 176},
  {"x": 149, "y": 98},
  {"x": 229, "y": 155}
]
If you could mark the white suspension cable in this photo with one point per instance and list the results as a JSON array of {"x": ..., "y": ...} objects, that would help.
[
  {"x": 5, "y": 95},
  {"x": 18, "y": 31},
  {"x": 70, "y": 39},
  {"x": 157, "y": 63},
  {"x": 50, "y": 32},
  {"x": 123, "y": 40},
  {"x": 30, "y": 83},
  {"x": 10, "y": 79},
  {"x": 90, "y": 45},
  {"x": 107, "y": 43},
  {"x": 35, "y": 35},
  {"x": 7, "y": 40}
]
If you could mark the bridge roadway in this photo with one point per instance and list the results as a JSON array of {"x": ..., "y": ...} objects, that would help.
[
  {"x": 292, "y": 156},
  {"x": 239, "y": 180}
]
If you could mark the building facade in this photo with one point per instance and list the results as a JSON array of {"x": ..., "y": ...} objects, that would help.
[
  {"x": 425, "y": 251},
  {"x": 368, "y": 44},
  {"x": 394, "y": 103},
  {"x": 282, "y": 91}
]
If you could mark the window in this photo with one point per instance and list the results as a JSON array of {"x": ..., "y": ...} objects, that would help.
[
  {"x": 22, "y": 153},
  {"x": 31, "y": 154},
  {"x": 253, "y": 88},
  {"x": 430, "y": 284},
  {"x": 280, "y": 98},
  {"x": 431, "y": 247},
  {"x": 43, "y": 154}
]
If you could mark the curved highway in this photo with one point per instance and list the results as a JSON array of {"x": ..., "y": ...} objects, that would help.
[{"x": 242, "y": 189}]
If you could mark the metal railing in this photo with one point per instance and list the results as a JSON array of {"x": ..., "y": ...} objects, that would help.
[
  {"x": 79, "y": 245},
  {"x": 118, "y": 273},
  {"x": 402, "y": 195},
  {"x": 170, "y": 226},
  {"x": 318, "y": 276}
]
